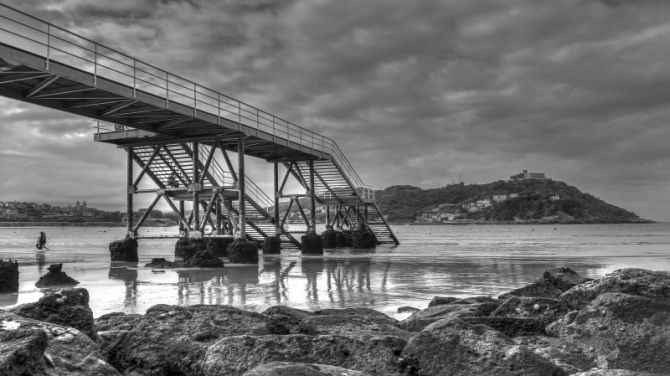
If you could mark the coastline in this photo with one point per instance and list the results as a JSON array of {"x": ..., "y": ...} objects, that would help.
[
  {"x": 61, "y": 224},
  {"x": 562, "y": 324}
]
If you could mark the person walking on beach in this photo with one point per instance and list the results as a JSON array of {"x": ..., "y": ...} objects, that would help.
[{"x": 41, "y": 241}]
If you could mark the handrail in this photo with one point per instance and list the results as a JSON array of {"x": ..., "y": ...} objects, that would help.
[{"x": 56, "y": 43}]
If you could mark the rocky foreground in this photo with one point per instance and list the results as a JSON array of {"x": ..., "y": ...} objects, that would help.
[{"x": 562, "y": 324}]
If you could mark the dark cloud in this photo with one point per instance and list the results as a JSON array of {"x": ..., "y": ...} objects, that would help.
[{"x": 414, "y": 92}]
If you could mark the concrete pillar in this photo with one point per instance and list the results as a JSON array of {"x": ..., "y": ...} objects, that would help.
[{"x": 9, "y": 276}]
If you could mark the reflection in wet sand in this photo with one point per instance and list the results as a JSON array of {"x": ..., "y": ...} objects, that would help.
[
  {"x": 126, "y": 272},
  {"x": 40, "y": 259},
  {"x": 336, "y": 280}
]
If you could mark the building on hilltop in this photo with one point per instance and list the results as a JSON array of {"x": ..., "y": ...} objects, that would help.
[{"x": 525, "y": 175}]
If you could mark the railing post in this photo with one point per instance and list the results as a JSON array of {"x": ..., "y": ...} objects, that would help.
[
  {"x": 218, "y": 104},
  {"x": 48, "y": 46},
  {"x": 95, "y": 64},
  {"x": 239, "y": 115},
  {"x": 134, "y": 78},
  {"x": 258, "y": 122},
  {"x": 195, "y": 100},
  {"x": 167, "y": 90}
]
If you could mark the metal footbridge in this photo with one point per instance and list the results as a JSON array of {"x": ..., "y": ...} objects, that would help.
[{"x": 179, "y": 134}]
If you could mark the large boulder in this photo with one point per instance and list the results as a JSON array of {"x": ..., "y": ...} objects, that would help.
[
  {"x": 22, "y": 350},
  {"x": 172, "y": 340},
  {"x": 9, "y": 276},
  {"x": 546, "y": 310},
  {"x": 67, "y": 307},
  {"x": 311, "y": 244},
  {"x": 509, "y": 326},
  {"x": 419, "y": 320},
  {"x": 123, "y": 250},
  {"x": 641, "y": 282},
  {"x": 286, "y": 320},
  {"x": 55, "y": 277},
  {"x": 360, "y": 323},
  {"x": 620, "y": 331},
  {"x": 203, "y": 259},
  {"x": 301, "y": 369},
  {"x": 552, "y": 284},
  {"x": 31, "y": 347},
  {"x": 243, "y": 252},
  {"x": 219, "y": 246},
  {"x": 452, "y": 347},
  {"x": 234, "y": 356}
]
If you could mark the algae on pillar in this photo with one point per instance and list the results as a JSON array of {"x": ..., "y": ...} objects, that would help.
[
  {"x": 123, "y": 250},
  {"x": 311, "y": 244},
  {"x": 329, "y": 237},
  {"x": 272, "y": 245}
]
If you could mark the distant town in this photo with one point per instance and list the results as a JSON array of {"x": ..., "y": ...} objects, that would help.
[
  {"x": 454, "y": 213},
  {"x": 79, "y": 212}
]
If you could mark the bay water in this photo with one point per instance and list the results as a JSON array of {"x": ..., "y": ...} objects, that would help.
[{"x": 445, "y": 260}]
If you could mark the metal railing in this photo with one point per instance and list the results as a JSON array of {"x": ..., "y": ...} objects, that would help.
[{"x": 55, "y": 43}]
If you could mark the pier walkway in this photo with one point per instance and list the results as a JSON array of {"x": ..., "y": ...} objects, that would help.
[{"x": 179, "y": 133}]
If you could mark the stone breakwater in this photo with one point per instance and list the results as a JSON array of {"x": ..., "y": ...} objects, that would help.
[{"x": 562, "y": 324}]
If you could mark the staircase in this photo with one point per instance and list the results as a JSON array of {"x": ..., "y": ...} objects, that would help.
[{"x": 334, "y": 187}]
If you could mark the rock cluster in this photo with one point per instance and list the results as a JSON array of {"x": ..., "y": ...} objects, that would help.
[
  {"x": 52, "y": 345},
  {"x": 618, "y": 325},
  {"x": 55, "y": 277}
]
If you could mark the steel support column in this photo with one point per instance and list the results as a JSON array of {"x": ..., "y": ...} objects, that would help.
[
  {"x": 195, "y": 186},
  {"x": 276, "y": 199},
  {"x": 328, "y": 215},
  {"x": 130, "y": 189},
  {"x": 241, "y": 188},
  {"x": 218, "y": 216},
  {"x": 182, "y": 228},
  {"x": 312, "y": 198}
]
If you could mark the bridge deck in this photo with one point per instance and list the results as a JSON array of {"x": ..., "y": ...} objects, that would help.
[{"x": 47, "y": 65}]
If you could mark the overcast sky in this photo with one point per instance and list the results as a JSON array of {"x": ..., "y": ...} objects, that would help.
[{"x": 415, "y": 92}]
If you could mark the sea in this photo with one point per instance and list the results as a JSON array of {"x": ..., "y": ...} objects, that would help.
[{"x": 444, "y": 260}]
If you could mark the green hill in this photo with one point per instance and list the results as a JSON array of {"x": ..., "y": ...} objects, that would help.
[{"x": 530, "y": 201}]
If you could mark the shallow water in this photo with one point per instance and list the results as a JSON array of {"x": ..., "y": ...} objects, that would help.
[{"x": 431, "y": 260}]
